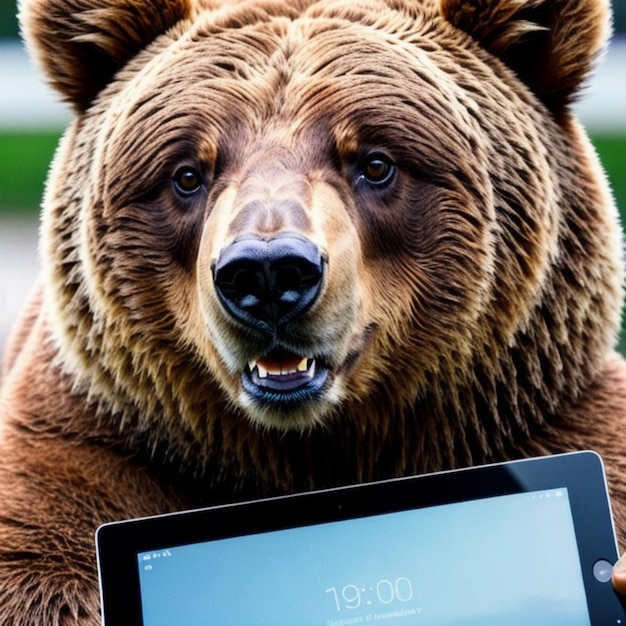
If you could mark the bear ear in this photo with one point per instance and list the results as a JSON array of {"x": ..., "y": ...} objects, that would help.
[
  {"x": 552, "y": 45},
  {"x": 80, "y": 44}
]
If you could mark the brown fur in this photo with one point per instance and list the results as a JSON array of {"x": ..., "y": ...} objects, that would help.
[{"x": 469, "y": 308}]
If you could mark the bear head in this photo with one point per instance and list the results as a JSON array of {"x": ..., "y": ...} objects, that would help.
[{"x": 273, "y": 219}]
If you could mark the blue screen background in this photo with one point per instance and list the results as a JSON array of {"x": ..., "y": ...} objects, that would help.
[{"x": 509, "y": 560}]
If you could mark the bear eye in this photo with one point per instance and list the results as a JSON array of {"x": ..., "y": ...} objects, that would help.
[
  {"x": 378, "y": 170},
  {"x": 187, "y": 181}
]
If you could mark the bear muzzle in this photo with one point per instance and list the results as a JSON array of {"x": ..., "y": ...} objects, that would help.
[
  {"x": 263, "y": 283},
  {"x": 281, "y": 294}
]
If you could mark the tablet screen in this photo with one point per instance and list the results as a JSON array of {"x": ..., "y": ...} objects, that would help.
[{"x": 509, "y": 559}]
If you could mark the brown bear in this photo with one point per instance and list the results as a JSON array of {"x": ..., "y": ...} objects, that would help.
[{"x": 292, "y": 244}]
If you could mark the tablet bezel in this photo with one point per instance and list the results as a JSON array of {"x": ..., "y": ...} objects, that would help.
[{"x": 582, "y": 473}]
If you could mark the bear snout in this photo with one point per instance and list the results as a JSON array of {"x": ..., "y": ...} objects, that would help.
[
  {"x": 264, "y": 282},
  {"x": 281, "y": 295}
]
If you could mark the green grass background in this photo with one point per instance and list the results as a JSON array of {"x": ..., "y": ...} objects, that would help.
[
  {"x": 24, "y": 162},
  {"x": 25, "y": 158}
]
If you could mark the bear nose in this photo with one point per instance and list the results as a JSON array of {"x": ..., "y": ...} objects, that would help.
[{"x": 264, "y": 283}]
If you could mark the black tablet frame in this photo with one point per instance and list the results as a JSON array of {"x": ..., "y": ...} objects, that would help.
[{"x": 582, "y": 473}]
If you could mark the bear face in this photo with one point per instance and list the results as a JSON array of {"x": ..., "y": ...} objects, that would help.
[{"x": 282, "y": 218}]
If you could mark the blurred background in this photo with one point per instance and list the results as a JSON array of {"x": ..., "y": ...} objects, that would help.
[{"x": 32, "y": 120}]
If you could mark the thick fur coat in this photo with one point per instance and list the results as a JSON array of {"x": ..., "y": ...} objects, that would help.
[{"x": 295, "y": 244}]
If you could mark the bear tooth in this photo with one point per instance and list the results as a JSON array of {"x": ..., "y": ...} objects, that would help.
[
  {"x": 261, "y": 371},
  {"x": 303, "y": 366}
]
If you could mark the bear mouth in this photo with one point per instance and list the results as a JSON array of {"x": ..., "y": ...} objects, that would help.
[{"x": 285, "y": 378}]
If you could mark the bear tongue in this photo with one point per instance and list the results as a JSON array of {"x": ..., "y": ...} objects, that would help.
[{"x": 283, "y": 367}]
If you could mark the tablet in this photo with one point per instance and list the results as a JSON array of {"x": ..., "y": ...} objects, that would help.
[{"x": 525, "y": 542}]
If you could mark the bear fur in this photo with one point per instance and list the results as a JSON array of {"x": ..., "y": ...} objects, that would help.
[{"x": 454, "y": 300}]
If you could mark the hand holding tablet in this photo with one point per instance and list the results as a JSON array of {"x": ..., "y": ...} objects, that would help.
[{"x": 619, "y": 576}]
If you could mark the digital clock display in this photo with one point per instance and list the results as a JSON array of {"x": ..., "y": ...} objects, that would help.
[
  {"x": 383, "y": 592},
  {"x": 504, "y": 560}
]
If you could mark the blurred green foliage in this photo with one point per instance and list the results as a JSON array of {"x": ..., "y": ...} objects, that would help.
[
  {"x": 8, "y": 19},
  {"x": 24, "y": 162}
]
